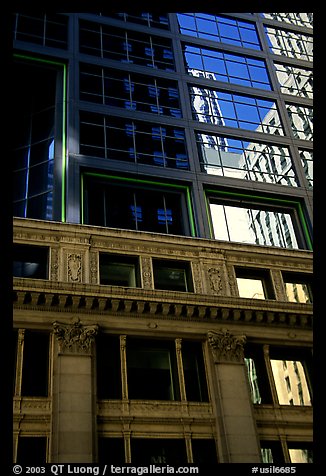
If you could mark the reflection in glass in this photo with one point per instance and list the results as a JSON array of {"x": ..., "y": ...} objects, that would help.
[
  {"x": 301, "y": 455},
  {"x": 251, "y": 288},
  {"x": 294, "y": 80},
  {"x": 219, "y": 28},
  {"x": 245, "y": 112},
  {"x": 120, "y": 138},
  {"x": 253, "y": 225},
  {"x": 289, "y": 43},
  {"x": 301, "y": 121},
  {"x": 300, "y": 19},
  {"x": 249, "y": 161},
  {"x": 127, "y": 46},
  {"x": 307, "y": 164},
  {"x": 298, "y": 292},
  {"x": 129, "y": 90},
  {"x": 290, "y": 382},
  {"x": 221, "y": 66},
  {"x": 157, "y": 20},
  {"x": 35, "y": 130},
  {"x": 253, "y": 380}
]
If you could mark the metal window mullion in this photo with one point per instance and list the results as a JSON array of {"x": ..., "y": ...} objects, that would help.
[
  {"x": 135, "y": 210},
  {"x": 157, "y": 95},
  {"x": 165, "y": 215},
  {"x": 101, "y": 41},
  {"x": 44, "y": 29},
  {"x": 162, "y": 146},
  {"x": 104, "y": 136},
  {"x": 103, "y": 85},
  {"x": 226, "y": 223},
  {"x": 134, "y": 141},
  {"x": 130, "y": 92}
]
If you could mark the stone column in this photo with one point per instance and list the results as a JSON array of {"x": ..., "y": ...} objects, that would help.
[
  {"x": 235, "y": 420},
  {"x": 73, "y": 395}
]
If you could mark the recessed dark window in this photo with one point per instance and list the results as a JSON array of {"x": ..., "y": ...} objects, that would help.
[
  {"x": 271, "y": 452},
  {"x": 31, "y": 450},
  {"x": 204, "y": 452},
  {"x": 108, "y": 367},
  {"x": 111, "y": 450},
  {"x": 119, "y": 270},
  {"x": 35, "y": 375},
  {"x": 45, "y": 29},
  {"x": 30, "y": 261},
  {"x": 152, "y": 370},
  {"x": 194, "y": 371},
  {"x": 158, "y": 451},
  {"x": 172, "y": 275}
]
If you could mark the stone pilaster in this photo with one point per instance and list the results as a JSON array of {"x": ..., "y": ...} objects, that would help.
[
  {"x": 73, "y": 430},
  {"x": 235, "y": 419}
]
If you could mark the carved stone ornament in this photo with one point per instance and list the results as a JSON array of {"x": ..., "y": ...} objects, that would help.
[
  {"x": 74, "y": 267},
  {"x": 75, "y": 337},
  {"x": 225, "y": 346},
  {"x": 215, "y": 280}
]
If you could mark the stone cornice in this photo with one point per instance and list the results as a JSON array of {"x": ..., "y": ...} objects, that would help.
[{"x": 81, "y": 299}]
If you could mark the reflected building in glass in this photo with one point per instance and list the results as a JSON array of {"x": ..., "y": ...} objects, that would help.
[{"x": 162, "y": 254}]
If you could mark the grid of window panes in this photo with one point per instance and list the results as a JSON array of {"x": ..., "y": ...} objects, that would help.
[
  {"x": 124, "y": 139},
  {"x": 227, "y": 71},
  {"x": 151, "y": 19},
  {"x": 294, "y": 80},
  {"x": 300, "y": 19},
  {"x": 126, "y": 46},
  {"x": 289, "y": 43},
  {"x": 223, "y": 66},
  {"x": 219, "y": 28},
  {"x": 132, "y": 91},
  {"x": 234, "y": 110},
  {"x": 231, "y": 157},
  {"x": 46, "y": 29},
  {"x": 301, "y": 121}
]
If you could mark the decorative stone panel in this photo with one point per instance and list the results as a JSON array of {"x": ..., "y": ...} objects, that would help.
[
  {"x": 226, "y": 347},
  {"x": 146, "y": 272},
  {"x": 75, "y": 337}
]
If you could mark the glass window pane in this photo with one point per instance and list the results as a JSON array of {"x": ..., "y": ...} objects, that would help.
[
  {"x": 290, "y": 381},
  {"x": 251, "y": 288}
]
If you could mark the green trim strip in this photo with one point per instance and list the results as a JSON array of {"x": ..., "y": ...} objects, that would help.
[
  {"x": 64, "y": 124},
  {"x": 147, "y": 182},
  {"x": 297, "y": 205}
]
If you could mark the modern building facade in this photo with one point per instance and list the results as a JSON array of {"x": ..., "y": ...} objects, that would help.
[{"x": 163, "y": 238}]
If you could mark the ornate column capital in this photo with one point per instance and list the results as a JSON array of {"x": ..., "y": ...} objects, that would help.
[
  {"x": 226, "y": 347},
  {"x": 75, "y": 337}
]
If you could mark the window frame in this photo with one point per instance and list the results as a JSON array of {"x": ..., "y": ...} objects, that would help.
[
  {"x": 106, "y": 258},
  {"x": 42, "y": 252},
  {"x": 183, "y": 191},
  {"x": 262, "y": 275},
  {"x": 291, "y": 207},
  {"x": 167, "y": 264}
]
